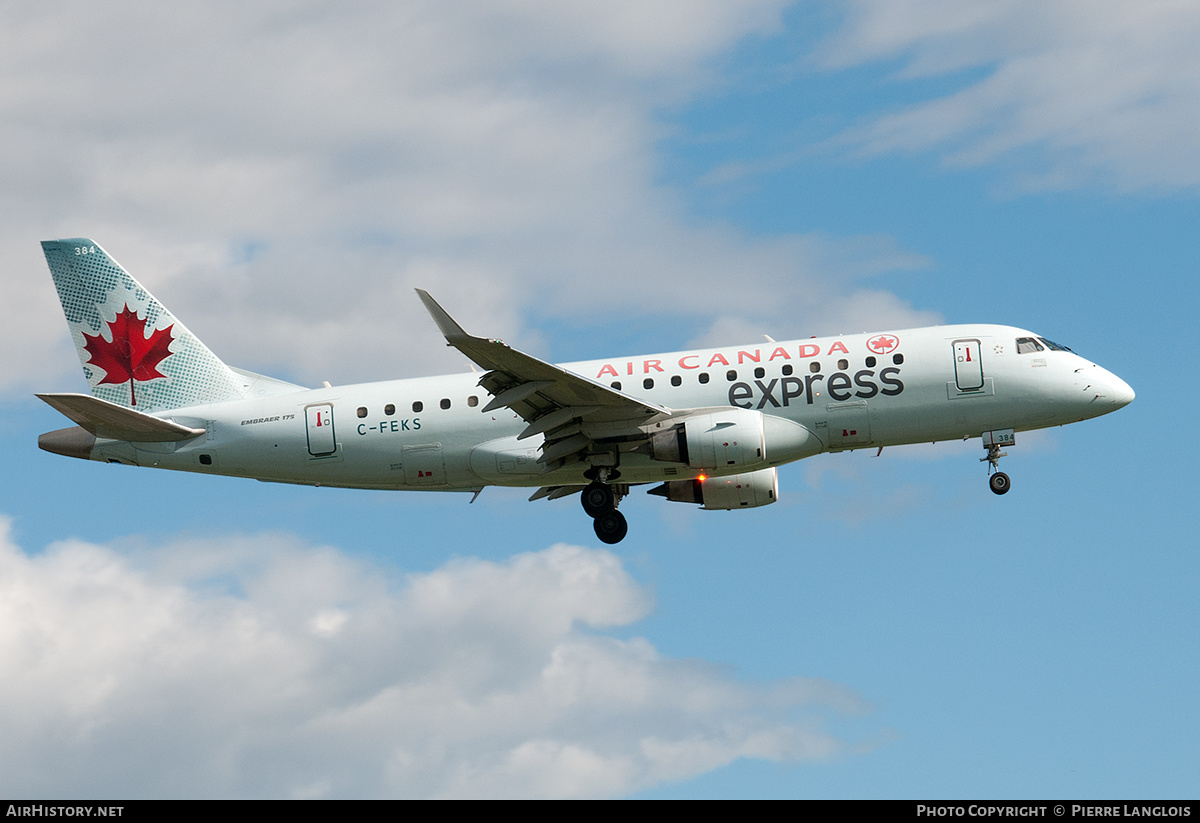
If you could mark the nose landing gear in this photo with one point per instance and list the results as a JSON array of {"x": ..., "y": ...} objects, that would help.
[
  {"x": 600, "y": 500},
  {"x": 999, "y": 482}
]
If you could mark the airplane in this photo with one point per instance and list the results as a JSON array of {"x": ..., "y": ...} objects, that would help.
[{"x": 710, "y": 426}]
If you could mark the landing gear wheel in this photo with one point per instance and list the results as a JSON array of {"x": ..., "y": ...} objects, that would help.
[
  {"x": 597, "y": 500},
  {"x": 1000, "y": 483},
  {"x": 611, "y": 527}
]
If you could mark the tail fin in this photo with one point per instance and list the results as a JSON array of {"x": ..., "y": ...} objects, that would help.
[{"x": 134, "y": 352}]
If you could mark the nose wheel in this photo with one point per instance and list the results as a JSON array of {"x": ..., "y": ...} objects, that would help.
[
  {"x": 600, "y": 501},
  {"x": 999, "y": 483},
  {"x": 997, "y": 480}
]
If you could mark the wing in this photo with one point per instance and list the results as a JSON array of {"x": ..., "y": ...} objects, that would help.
[{"x": 578, "y": 417}]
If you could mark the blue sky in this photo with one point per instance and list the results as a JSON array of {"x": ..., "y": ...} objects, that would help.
[{"x": 586, "y": 181}]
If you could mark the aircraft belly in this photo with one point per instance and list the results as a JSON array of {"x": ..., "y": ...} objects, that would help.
[{"x": 634, "y": 468}]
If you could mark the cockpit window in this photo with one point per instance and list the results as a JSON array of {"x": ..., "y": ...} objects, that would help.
[
  {"x": 1052, "y": 345},
  {"x": 1027, "y": 345}
]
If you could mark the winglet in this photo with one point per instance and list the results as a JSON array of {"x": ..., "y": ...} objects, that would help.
[{"x": 450, "y": 328}]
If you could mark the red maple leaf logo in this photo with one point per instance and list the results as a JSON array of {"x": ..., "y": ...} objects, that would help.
[
  {"x": 883, "y": 343},
  {"x": 131, "y": 355}
]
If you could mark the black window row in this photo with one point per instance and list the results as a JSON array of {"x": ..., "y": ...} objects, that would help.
[
  {"x": 760, "y": 372},
  {"x": 418, "y": 406}
]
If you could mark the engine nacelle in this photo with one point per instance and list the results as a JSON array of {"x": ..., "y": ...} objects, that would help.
[
  {"x": 713, "y": 440},
  {"x": 736, "y": 491}
]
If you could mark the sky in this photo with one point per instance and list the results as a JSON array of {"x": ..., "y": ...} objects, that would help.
[{"x": 588, "y": 180}]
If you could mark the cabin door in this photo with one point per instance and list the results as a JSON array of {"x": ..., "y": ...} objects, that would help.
[
  {"x": 319, "y": 419},
  {"x": 968, "y": 368}
]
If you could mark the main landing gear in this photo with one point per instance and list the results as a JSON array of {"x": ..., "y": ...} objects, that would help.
[
  {"x": 600, "y": 500},
  {"x": 997, "y": 480}
]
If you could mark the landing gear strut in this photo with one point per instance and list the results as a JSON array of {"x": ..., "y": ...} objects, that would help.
[
  {"x": 600, "y": 500},
  {"x": 999, "y": 482}
]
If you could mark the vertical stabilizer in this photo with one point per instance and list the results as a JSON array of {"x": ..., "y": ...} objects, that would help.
[{"x": 134, "y": 352}]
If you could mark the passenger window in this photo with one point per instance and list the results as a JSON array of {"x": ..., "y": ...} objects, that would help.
[
  {"x": 760, "y": 372},
  {"x": 787, "y": 369},
  {"x": 731, "y": 375},
  {"x": 897, "y": 359},
  {"x": 362, "y": 411},
  {"x": 472, "y": 401},
  {"x": 676, "y": 380},
  {"x": 616, "y": 384},
  {"x": 814, "y": 367},
  {"x": 445, "y": 404},
  {"x": 648, "y": 383},
  {"x": 870, "y": 362},
  {"x": 418, "y": 405},
  {"x": 389, "y": 409},
  {"x": 703, "y": 377}
]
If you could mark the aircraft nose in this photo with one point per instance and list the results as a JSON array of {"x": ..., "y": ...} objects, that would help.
[
  {"x": 1110, "y": 389},
  {"x": 1103, "y": 391},
  {"x": 1120, "y": 392}
]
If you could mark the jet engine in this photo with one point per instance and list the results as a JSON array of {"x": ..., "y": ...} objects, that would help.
[
  {"x": 713, "y": 440},
  {"x": 735, "y": 491},
  {"x": 741, "y": 438}
]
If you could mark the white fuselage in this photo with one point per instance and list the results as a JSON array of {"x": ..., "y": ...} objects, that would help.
[{"x": 858, "y": 391}]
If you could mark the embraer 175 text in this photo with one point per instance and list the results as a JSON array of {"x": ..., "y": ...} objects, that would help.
[{"x": 710, "y": 426}]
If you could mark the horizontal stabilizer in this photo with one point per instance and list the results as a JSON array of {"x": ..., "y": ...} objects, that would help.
[{"x": 104, "y": 419}]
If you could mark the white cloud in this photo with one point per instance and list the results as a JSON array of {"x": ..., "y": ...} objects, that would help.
[
  {"x": 1069, "y": 92},
  {"x": 281, "y": 176},
  {"x": 258, "y": 666}
]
